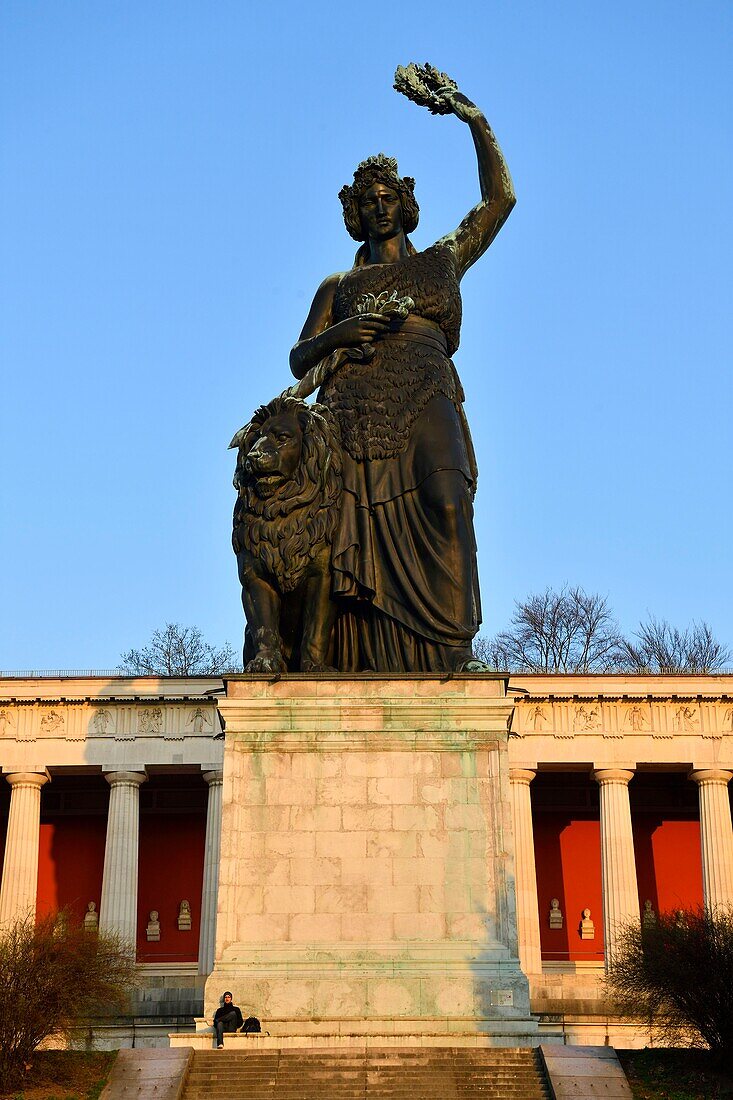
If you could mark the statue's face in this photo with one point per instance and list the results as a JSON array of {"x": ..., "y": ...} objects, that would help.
[
  {"x": 381, "y": 212},
  {"x": 274, "y": 456}
]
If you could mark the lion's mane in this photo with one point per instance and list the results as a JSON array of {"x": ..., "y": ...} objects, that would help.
[{"x": 286, "y": 530}]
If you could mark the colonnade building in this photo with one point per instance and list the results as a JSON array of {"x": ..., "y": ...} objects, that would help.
[{"x": 111, "y": 808}]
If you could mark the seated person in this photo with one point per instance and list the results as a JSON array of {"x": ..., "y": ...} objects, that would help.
[{"x": 226, "y": 1018}]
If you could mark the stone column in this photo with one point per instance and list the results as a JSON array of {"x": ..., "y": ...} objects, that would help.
[
  {"x": 20, "y": 866},
  {"x": 210, "y": 886},
  {"x": 620, "y": 892},
  {"x": 118, "y": 908},
  {"x": 525, "y": 874},
  {"x": 716, "y": 836}
]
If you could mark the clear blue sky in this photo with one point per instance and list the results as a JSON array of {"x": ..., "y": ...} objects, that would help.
[{"x": 168, "y": 204}]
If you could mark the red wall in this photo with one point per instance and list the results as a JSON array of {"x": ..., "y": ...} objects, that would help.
[
  {"x": 668, "y": 861},
  {"x": 568, "y": 859},
  {"x": 171, "y": 868},
  {"x": 70, "y": 863}
]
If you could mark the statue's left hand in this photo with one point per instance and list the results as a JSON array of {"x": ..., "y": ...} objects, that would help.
[
  {"x": 428, "y": 87},
  {"x": 458, "y": 104}
]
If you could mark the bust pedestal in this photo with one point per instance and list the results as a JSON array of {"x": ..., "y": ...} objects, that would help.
[{"x": 366, "y": 882}]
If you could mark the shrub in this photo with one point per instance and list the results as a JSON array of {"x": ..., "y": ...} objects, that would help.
[
  {"x": 53, "y": 974},
  {"x": 678, "y": 974}
]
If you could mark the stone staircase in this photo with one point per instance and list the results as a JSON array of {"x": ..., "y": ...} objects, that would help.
[{"x": 426, "y": 1073}]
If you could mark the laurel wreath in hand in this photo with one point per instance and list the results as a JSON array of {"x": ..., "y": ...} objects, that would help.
[
  {"x": 422, "y": 84},
  {"x": 391, "y": 305}
]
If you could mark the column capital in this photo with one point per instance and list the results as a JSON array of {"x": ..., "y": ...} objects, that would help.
[
  {"x": 28, "y": 779},
  {"x": 711, "y": 775},
  {"x": 126, "y": 779},
  {"x": 613, "y": 775},
  {"x": 522, "y": 775},
  {"x": 214, "y": 777}
]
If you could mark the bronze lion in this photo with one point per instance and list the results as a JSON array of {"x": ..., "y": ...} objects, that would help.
[{"x": 288, "y": 482}]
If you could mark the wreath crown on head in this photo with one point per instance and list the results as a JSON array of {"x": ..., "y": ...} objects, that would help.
[{"x": 378, "y": 169}]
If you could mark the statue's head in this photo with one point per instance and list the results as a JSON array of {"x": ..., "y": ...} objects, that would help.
[{"x": 378, "y": 169}]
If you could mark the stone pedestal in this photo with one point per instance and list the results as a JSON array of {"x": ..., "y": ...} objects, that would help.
[{"x": 366, "y": 880}]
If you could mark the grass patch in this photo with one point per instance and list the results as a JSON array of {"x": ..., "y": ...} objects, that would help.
[
  {"x": 65, "y": 1075},
  {"x": 675, "y": 1075}
]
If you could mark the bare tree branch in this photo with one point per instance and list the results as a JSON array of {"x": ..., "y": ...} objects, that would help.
[
  {"x": 566, "y": 631},
  {"x": 660, "y": 648},
  {"x": 179, "y": 651},
  {"x": 575, "y": 631}
]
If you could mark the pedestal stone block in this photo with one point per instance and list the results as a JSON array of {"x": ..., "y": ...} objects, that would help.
[{"x": 366, "y": 878}]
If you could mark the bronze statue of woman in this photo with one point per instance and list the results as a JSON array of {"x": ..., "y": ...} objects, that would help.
[{"x": 404, "y": 554}]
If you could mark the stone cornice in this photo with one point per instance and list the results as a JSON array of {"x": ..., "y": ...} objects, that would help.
[
  {"x": 620, "y": 685},
  {"x": 401, "y": 713},
  {"x": 371, "y": 740},
  {"x": 272, "y": 726},
  {"x": 123, "y": 688}
]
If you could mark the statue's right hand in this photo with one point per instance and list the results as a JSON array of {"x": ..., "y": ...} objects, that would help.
[{"x": 361, "y": 329}]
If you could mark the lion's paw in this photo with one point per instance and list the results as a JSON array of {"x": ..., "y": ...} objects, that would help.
[
  {"x": 317, "y": 666},
  {"x": 266, "y": 662}
]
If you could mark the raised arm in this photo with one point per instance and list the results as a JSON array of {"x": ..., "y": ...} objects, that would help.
[
  {"x": 479, "y": 227},
  {"x": 430, "y": 88}
]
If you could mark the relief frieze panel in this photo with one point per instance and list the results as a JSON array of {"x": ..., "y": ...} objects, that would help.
[
  {"x": 586, "y": 717},
  {"x": 30, "y": 720},
  {"x": 615, "y": 718},
  {"x": 52, "y": 720},
  {"x": 150, "y": 720},
  {"x": 103, "y": 721}
]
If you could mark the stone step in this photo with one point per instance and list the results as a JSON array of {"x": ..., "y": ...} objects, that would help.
[
  {"x": 392, "y": 1068},
  {"x": 436, "y": 1073},
  {"x": 415, "y": 1092},
  {"x": 439, "y": 1088},
  {"x": 327, "y": 1058}
]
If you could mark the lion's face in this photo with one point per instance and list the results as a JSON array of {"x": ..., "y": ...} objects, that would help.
[
  {"x": 288, "y": 482},
  {"x": 275, "y": 453}
]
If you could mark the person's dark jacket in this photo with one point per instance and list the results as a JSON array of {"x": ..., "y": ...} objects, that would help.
[{"x": 225, "y": 1010}]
